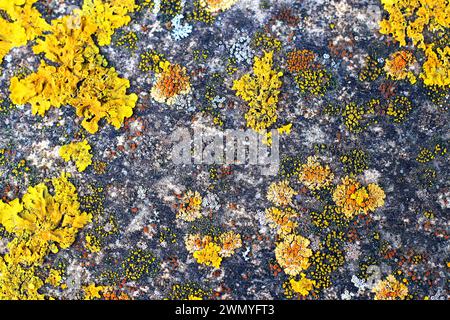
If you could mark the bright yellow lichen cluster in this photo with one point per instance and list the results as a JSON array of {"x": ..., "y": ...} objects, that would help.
[
  {"x": 190, "y": 207},
  {"x": 81, "y": 77},
  {"x": 260, "y": 90},
  {"x": 409, "y": 19},
  {"x": 42, "y": 223},
  {"x": 77, "y": 152},
  {"x": 280, "y": 193},
  {"x": 209, "y": 251},
  {"x": 108, "y": 16},
  {"x": 24, "y": 24},
  {"x": 352, "y": 198},
  {"x": 171, "y": 82},
  {"x": 390, "y": 289},
  {"x": 412, "y": 19},
  {"x": 92, "y": 291},
  {"x": 217, "y": 5},
  {"x": 314, "y": 175},
  {"x": 302, "y": 286},
  {"x": 436, "y": 69}
]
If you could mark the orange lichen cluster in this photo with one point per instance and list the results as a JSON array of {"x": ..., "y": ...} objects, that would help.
[
  {"x": 314, "y": 175},
  {"x": 352, "y": 198},
  {"x": 399, "y": 66},
  {"x": 298, "y": 60},
  {"x": 209, "y": 251},
  {"x": 390, "y": 289},
  {"x": 81, "y": 77},
  {"x": 293, "y": 254},
  {"x": 171, "y": 82},
  {"x": 190, "y": 207},
  {"x": 280, "y": 219},
  {"x": 229, "y": 241},
  {"x": 280, "y": 193}
]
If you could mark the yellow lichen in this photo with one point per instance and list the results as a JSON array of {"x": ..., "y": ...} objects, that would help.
[
  {"x": 108, "y": 16},
  {"x": 93, "y": 291},
  {"x": 210, "y": 251},
  {"x": 390, "y": 289},
  {"x": 81, "y": 79},
  {"x": 54, "y": 278},
  {"x": 436, "y": 68},
  {"x": 42, "y": 222},
  {"x": 18, "y": 282},
  {"x": 209, "y": 255},
  {"x": 217, "y": 5},
  {"x": 302, "y": 286},
  {"x": 77, "y": 152},
  {"x": 25, "y": 24},
  {"x": 411, "y": 20},
  {"x": 48, "y": 87},
  {"x": 260, "y": 90}
]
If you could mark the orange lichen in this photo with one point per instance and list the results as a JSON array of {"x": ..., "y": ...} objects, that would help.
[
  {"x": 190, "y": 206},
  {"x": 209, "y": 251},
  {"x": 299, "y": 60},
  {"x": 229, "y": 242},
  {"x": 172, "y": 82},
  {"x": 292, "y": 254},
  {"x": 314, "y": 175},
  {"x": 195, "y": 242},
  {"x": 399, "y": 66},
  {"x": 352, "y": 198},
  {"x": 280, "y": 220}
]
